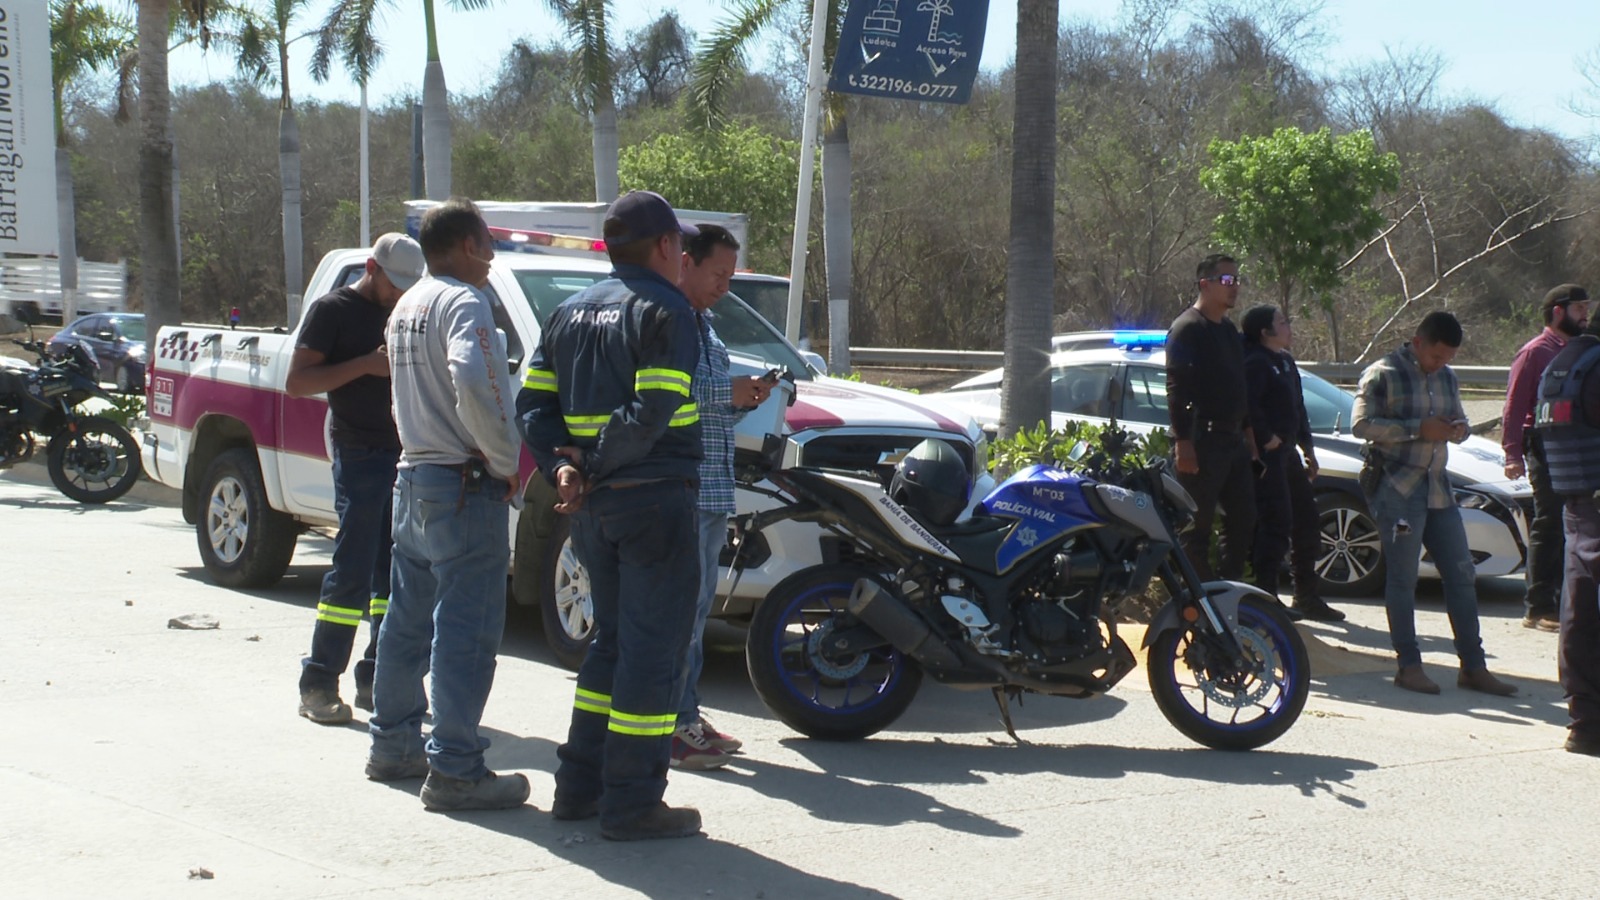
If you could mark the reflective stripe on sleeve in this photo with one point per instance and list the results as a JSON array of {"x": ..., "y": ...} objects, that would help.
[
  {"x": 379, "y": 606},
  {"x": 585, "y": 426},
  {"x": 540, "y": 380},
  {"x": 661, "y": 380},
  {"x": 687, "y": 414}
]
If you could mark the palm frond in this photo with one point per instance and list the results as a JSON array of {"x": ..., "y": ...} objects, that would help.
[
  {"x": 720, "y": 60},
  {"x": 588, "y": 23},
  {"x": 255, "y": 52},
  {"x": 349, "y": 32}
]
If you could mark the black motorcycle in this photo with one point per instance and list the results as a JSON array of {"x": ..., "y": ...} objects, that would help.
[
  {"x": 1021, "y": 597},
  {"x": 91, "y": 459}
]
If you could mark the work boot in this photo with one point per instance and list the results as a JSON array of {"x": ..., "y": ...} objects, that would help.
[
  {"x": 363, "y": 698},
  {"x": 1317, "y": 610},
  {"x": 396, "y": 769},
  {"x": 574, "y": 810},
  {"x": 1543, "y": 621},
  {"x": 324, "y": 707},
  {"x": 1577, "y": 743},
  {"x": 659, "y": 821},
  {"x": 1480, "y": 680},
  {"x": 1412, "y": 678},
  {"x": 441, "y": 793},
  {"x": 723, "y": 742}
]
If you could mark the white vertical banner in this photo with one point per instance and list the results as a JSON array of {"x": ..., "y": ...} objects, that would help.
[{"x": 27, "y": 130}]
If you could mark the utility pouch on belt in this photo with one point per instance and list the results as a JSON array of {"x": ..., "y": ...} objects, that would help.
[{"x": 1371, "y": 471}]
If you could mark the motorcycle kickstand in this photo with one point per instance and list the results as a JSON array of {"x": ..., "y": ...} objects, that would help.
[{"x": 1002, "y": 698}]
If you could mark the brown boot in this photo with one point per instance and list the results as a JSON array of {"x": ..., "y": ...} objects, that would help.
[
  {"x": 1412, "y": 678},
  {"x": 1480, "y": 680}
]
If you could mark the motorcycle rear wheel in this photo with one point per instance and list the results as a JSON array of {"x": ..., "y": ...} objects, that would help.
[
  {"x": 96, "y": 463},
  {"x": 821, "y": 695},
  {"x": 1226, "y": 710}
]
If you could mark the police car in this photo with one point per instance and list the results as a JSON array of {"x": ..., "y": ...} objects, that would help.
[{"x": 1097, "y": 374}]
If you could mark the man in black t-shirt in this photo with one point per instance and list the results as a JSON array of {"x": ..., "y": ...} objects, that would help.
[
  {"x": 1210, "y": 416},
  {"x": 341, "y": 351}
]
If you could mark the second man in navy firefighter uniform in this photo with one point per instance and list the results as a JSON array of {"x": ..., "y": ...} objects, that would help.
[
  {"x": 1567, "y": 416},
  {"x": 607, "y": 413}
]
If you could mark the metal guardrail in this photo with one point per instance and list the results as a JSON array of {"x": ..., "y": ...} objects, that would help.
[{"x": 899, "y": 358}]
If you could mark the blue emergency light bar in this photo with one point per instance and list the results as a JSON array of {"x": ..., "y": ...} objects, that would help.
[{"x": 1136, "y": 340}]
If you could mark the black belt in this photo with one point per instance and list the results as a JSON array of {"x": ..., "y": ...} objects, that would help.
[
  {"x": 692, "y": 483},
  {"x": 1217, "y": 426}
]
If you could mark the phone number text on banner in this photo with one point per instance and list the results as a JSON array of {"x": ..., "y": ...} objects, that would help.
[{"x": 910, "y": 49}]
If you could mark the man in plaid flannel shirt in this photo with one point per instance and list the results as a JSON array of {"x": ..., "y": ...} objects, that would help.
[
  {"x": 1407, "y": 408},
  {"x": 708, "y": 264}
]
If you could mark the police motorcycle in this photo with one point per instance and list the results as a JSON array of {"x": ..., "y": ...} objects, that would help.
[
  {"x": 1020, "y": 597},
  {"x": 91, "y": 459}
]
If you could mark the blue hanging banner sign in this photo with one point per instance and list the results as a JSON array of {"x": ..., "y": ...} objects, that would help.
[{"x": 910, "y": 49}]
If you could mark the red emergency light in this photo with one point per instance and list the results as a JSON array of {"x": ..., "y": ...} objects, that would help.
[{"x": 523, "y": 239}]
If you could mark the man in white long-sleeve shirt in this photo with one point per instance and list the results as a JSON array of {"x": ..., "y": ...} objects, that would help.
[{"x": 458, "y": 470}]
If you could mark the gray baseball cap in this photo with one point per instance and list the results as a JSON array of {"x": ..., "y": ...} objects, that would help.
[{"x": 400, "y": 257}]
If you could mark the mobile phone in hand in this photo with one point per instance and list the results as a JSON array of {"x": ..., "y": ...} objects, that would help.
[{"x": 772, "y": 375}]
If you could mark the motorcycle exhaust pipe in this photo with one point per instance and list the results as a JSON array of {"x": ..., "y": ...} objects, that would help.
[{"x": 890, "y": 617}]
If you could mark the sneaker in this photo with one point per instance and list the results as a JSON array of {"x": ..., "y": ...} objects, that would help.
[
  {"x": 691, "y": 750},
  {"x": 1547, "y": 621},
  {"x": 363, "y": 698},
  {"x": 717, "y": 739},
  {"x": 396, "y": 769},
  {"x": 659, "y": 821},
  {"x": 324, "y": 707},
  {"x": 443, "y": 793}
]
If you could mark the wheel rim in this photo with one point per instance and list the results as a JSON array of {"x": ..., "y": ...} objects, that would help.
[
  {"x": 825, "y": 682},
  {"x": 228, "y": 519},
  {"x": 1351, "y": 546},
  {"x": 574, "y": 602},
  {"x": 95, "y": 461},
  {"x": 1238, "y": 701}
]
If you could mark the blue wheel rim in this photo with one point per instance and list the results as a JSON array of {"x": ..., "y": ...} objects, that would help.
[
  {"x": 1284, "y": 663},
  {"x": 880, "y": 670}
]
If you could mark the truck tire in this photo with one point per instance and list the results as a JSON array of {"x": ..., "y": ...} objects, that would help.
[
  {"x": 565, "y": 604},
  {"x": 244, "y": 542}
]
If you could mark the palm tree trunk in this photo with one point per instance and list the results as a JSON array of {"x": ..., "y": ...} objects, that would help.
[
  {"x": 289, "y": 171},
  {"x": 837, "y": 240},
  {"x": 1030, "y": 269},
  {"x": 67, "y": 235},
  {"x": 366, "y": 174},
  {"x": 435, "y": 132},
  {"x": 158, "y": 245},
  {"x": 606, "y": 149}
]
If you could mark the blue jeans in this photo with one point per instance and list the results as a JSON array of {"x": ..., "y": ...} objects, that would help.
[
  {"x": 1441, "y": 532},
  {"x": 447, "y": 612},
  {"x": 639, "y": 546},
  {"x": 713, "y": 537},
  {"x": 358, "y": 581}
]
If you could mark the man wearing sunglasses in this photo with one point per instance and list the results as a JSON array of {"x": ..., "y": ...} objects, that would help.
[{"x": 1210, "y": 418}]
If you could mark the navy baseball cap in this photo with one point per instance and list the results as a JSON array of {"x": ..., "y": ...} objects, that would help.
[{"x": 638, "y": 215}]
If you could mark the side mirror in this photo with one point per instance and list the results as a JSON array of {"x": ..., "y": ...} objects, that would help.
[{"x": 26, "y": 313}]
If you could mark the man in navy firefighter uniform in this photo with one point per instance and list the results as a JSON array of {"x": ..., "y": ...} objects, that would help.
[
  {"x": 1567, "y": 416},
  {"x": 607, "y": 413}
]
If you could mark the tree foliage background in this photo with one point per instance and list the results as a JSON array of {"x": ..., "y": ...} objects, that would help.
[{"x": 1481, "y": 217}]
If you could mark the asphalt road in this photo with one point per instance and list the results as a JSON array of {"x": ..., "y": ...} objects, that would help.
[{"x": 139, "y": 755}]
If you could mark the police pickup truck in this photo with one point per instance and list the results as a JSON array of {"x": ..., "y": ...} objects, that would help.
[{"x": 254, "y": 464}]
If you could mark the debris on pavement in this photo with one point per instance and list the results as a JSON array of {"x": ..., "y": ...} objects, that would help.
[
  {"x": 195, "y": 622},
  {"x": 201, "y": 873}
]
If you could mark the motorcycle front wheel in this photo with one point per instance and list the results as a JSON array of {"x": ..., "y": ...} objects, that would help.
[
  {"x": 95, "y": 462},
  {"x": 1221, "y": 706},
  {"x": 815, "y": 690}
]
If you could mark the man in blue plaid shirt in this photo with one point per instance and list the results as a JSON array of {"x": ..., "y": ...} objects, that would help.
[
  {"x": 1408, "y": 410},
  {"x": 708, "y": 264}
]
